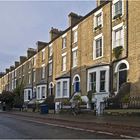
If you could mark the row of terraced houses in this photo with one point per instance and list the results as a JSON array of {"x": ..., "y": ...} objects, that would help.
[{"x": 98, "y": 52}]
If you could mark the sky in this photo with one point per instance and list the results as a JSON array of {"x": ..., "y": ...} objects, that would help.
[{"x": 23, "y": 23}]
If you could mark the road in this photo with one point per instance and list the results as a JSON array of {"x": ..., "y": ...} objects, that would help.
[{"x": 12, "y": 127}]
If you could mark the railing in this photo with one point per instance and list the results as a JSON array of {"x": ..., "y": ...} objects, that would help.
[{"x": 134, "y": 102}]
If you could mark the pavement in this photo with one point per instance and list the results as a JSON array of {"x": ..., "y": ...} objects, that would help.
[
  {"x": 87, "y": 118},
  {"x": 123, "y": 126}
]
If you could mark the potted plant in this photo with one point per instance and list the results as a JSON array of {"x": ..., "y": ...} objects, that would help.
[{"x": 117, "y": 51}]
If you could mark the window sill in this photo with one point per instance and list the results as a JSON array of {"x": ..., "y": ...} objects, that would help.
[
  {"x": 98, "y": 58},
  {"x": 73, "y": 67},
  {"x": 98, "y": 27},
  {"x": 118, "y": 16},
  {"x": 64, "y": 48}
]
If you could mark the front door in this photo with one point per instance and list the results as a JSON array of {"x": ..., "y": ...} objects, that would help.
[{"x": 122, "y": 77}]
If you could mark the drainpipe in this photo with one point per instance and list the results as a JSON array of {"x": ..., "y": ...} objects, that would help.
[
  {"x": 70, "y": 60},
  {"x": 111, "y": 64}
]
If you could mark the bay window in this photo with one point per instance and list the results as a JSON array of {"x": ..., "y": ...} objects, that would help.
[
  {"x": 98, "y": 79},
  {"x": 62, "y": 88}
]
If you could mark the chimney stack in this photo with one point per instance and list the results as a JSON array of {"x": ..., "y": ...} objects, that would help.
[
  {"x": 30, "y": 52},
  {"x": 74, "y": 18},
  {"x": 22, "y": 59},
  {"x": 16, "y": 63},
  {"x": 41, "y": 45},
  {"x": 7, "y": 70},
  {"x": 12, "y": 68},
  {"x": 2, "y": 74},
  {"x": 99, "y": 2},
  {"x": 54, "y": 33}
]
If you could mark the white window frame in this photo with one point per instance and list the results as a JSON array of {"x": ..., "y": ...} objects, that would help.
[
  {"x": 34, "y": 75},
  {"x": 64, "y": 61},
  {"x": 51, "y": 63},
  {"x": 26, "y": 94},
  {"x": 39, "y": 92},
  {"x": 43, "y": 71},
  {"x": 50, "y": 50},
  {"x": 61, "y": 88},
  {"x": 34, "y": 59},
  {"x": 113, "y": 8},
  {"x": 51, "y": 85},
  {"x": 94, "y": 46},
  {"x": 29, "y": 77},
  {"x": 75, "y": 34},
  {"x": 95, "y": 17},
  {"x": 43, "y": 55},
  {"x": 97, "y": 70},
  {"x": 121, "y": 25},
  {"x": 64, "y": 37},
  {"x": 74, "y": 64}
]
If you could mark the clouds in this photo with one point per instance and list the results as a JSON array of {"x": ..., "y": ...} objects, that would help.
[{"x": 22, "y": 24}]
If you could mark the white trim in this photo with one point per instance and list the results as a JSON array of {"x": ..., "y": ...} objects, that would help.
[
  {"x": 97, "y": 70},
  {"x": 64, "y": 54},
  {"x": 94, "y": 46},
  {"x": 113, "y": 8},
  {"x": 61, "y": 88},
  {"x": 75, "y": 28},
  {"x": 64, "y": 35},
  {"x": 43, "y": 50},
  {"x": 50, "y": 44},
  {"x": 40, "y": 92},
  {"x": 117, "y": 26},
  {"x": 42, "y": 65},
  {"x": 74, "y": 49},
  {"x": 77, "y": 75},
  {"x": 29, "y": 59},
  {"x": 26, "y": 94},
  {"x": 50, "y": 61},
  {"x": 120, "y": 62},
  {"x": 98, "y": 12},
  {"x": 95, "y": 17},
  {"x": 121, "y": 25},
  {"x": 50, "y": 84},
  {"x": 114, "y": 1}
]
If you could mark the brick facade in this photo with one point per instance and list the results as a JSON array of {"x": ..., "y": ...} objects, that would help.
[{"x": 83, "y": 48}]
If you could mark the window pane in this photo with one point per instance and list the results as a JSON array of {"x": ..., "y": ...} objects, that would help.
[
  {"x": 64, "y": 88},
  {"x": 58, "y": 89},
  {"x": 118, "y": 37},
  {"x": 63, "y": 42},
  {"x": 63, "y": 63},
  {"x": 102, "y": 81},
  {"x": 92, "y": 82},
  {"x": 74, "y": 58},
  {"x": 118, "y": 7},
  {"x": 43, "y": 92},
  {"x": 75, "y": 34},
  {"x": 99, "y": 47},
  {"x": 98, "y": 20},
  {"x": 50, "y": 69}
]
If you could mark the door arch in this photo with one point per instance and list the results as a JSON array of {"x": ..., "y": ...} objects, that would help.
[
  {"x": 122, "y": 71},
  {"x": 76, "y": 83}
]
